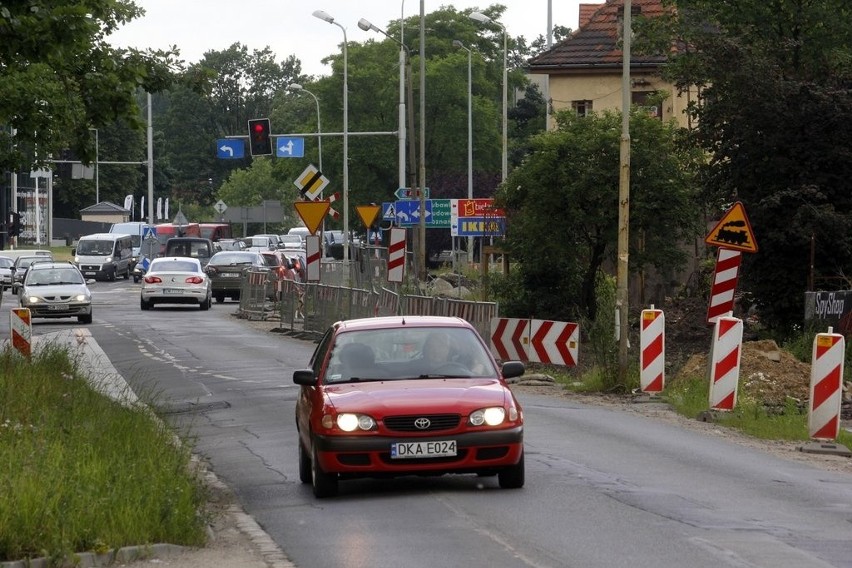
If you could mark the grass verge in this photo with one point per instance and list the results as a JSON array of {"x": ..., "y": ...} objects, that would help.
[{"x": 80, "y": 472}]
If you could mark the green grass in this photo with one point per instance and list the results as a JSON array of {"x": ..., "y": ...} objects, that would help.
[{"x": 80, "y": 472}]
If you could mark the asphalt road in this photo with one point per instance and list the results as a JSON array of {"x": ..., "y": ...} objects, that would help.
[{"x": 604, "y": 488}]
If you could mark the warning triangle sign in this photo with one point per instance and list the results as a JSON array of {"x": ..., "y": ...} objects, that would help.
[
  {"x": 312, "y": 213},
  {"x": 368, "y": 213},
  {"x": 733, "y": 231}
]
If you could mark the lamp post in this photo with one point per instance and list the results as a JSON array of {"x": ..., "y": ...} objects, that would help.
[
  {"x": 295, "y": 87},
  {"x": 404, "y": 58},
  {"x": 325, "y": 17},
  {"x": 482, "y": 18},
  {"x": 460, "y": 45}
]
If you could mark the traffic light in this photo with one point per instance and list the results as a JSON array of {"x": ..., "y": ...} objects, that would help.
[
  {"x": 14, "y": 223},
  {"x": 260, "y": 141}
]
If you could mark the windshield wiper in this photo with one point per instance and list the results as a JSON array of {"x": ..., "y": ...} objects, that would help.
[{"x": 442, "y": 376}]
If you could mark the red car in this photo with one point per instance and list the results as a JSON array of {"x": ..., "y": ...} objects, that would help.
[{"x": 407, "y": 395}]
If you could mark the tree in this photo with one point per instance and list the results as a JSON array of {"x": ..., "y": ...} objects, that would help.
[
  {"x": 562, "y": 210},
  {"x": 59, "y": 77},
  {"x": 774, "y": 118}
]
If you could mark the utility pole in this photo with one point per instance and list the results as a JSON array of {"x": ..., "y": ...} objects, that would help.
[{"x": 622, "y": 296}]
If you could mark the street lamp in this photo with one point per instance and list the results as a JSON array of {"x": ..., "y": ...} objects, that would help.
[
  {"x": 460, "y": 45},
  {"x": 326, "y": 18},
  {"x": 295, "y": 87},
  {"x": 482, "y": 18},
  {"x": 404, "y": 57}
]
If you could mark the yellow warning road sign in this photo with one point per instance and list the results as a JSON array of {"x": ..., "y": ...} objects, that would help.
[
  {"x": 368, "y": 213},
  {"x": 733, "y": 231},
  {"x": 312, "y": 213}
]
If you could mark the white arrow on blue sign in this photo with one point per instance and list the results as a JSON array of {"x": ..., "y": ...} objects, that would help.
[
  {"x": 405, "y": 212},
  {"x": 286, "y": 147},
  {"x": 230, "y": 148}
]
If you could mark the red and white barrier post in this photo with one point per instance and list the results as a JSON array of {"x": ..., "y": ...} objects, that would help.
[
  {"x": 826, "y": 391},
  {"x": 396, "y": 255},
  {"x": 726, "y": 352},
  {"x": 652, "y": 344},
  {"x": 21, "y": 330}
]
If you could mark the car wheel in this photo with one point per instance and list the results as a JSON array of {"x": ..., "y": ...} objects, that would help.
[
  {"x": 136, "y": 280},
  {"x": 85, "y": 319},
  {"x": 304, "y": 464},
  {"x": 324, "y": 484},
  {"x": 144, "y": 305},
  {"x": 220, "y": 298},
  {"x": 127, "y": 274},
  {"x": 111, "y": 276},
  {"x": 204, "y": 304},
  {"x": 513, "y": 476}
]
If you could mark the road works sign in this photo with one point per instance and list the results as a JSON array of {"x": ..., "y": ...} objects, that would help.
[{"x": 733, "y": 231}]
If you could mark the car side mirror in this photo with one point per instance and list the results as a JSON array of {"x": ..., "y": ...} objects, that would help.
[
  {"x": 512, "y": 369},
  {"x": 73, "y": 252},
  {"x": 304, "y": 377}
]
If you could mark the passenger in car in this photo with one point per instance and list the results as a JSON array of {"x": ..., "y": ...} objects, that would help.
[{"x": 436, "y": 350}]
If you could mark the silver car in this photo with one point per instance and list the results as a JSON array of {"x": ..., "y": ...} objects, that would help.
[
  {"x": 6, "y": 266},
  {"x": 56, "y": 290},
  {"x": 22, "y": 264},
  {"x": 176, "y": 280}
]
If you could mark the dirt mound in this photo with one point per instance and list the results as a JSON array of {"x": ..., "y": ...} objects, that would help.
[{"x": 768, "y": 374}]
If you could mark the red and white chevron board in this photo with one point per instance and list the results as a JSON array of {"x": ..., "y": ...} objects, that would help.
[
  {"x": 21, "y": 327},
  {"x": 553, "y": 342},
  {"x": 826, "y": 386},
  {"x": 312, "y": 258},
  {"x": 396, "y": 255},
  {"x": 652, "y": 343},
  {"x": 510, "y": 339},
  {"x": 725, "y": 363},
  {"x": 724, "y": 285}
]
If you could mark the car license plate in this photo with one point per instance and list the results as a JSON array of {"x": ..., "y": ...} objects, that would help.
[
  {"x": 57, "y": 307},
  {"x": 172, "y": 291},
  {"x": 436, "y": 449},
  {"x": 230, "y": 275},
  {"x": 89, "y": 273}
]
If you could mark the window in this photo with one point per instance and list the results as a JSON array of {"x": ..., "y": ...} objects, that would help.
[
  {"x": 643, "y": 99},
  {"x": 582, "y": 108}
]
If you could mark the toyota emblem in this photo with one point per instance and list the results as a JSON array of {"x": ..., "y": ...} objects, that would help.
[{"x": 422, "y": 423}]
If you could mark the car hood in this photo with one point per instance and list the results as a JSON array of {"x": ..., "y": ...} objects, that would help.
[
  {"x": 419, "y": 395},
  {"x": 50, "y": 291}
]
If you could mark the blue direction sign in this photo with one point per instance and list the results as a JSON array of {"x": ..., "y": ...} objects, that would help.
[
  {"x": 406, "y": 212},
  {"x": 230, "y": 148},
  {"x": 286, "y": 147}
]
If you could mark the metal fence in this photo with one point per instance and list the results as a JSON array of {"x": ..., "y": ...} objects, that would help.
[{"x": 312, "y": 307}]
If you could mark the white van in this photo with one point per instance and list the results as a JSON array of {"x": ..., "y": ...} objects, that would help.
[
  {"x": 104, "y": 256},
  {"x": 136, "y": 230}
]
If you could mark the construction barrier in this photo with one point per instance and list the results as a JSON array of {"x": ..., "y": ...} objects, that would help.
[
  {"x": 652, "y": 351},
  {"x": 21, "y": 330},
  {"x": 396, "y": 255},
  {"x": 826, "y": 386},
  {"x": 725, "y": 276},
  {"x": 725, "y": 351}
]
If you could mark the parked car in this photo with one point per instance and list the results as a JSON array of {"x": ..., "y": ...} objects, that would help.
[
  {"x": 226, "y": 269},
  {"x": 56, "y": 290},
  {"x": 20, "y": 266},
  {"x": 406, "y": 395},
  {"x": 6, "y": 266},
  {"x": 176, "y": 280}
]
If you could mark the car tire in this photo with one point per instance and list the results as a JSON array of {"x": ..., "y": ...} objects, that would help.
[
  {"x": 127, "y": 274},
  {"x": 136, "y": 279},
  {"x": 304, "y": 465},
  {"x": 513, "y": 476},
  {"x": 324, "y": 484},
  {"x": 220, "y": 298},
  {"x": 111, "y": 276},
  {"x": 85, "y": 318},
  {"x": 204, "y": 304},
  {"x": 145, "y": 305}
]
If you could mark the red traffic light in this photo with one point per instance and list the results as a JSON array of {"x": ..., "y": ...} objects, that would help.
[{"x": 260, "y": 139}]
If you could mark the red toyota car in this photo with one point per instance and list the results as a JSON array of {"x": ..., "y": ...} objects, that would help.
[{"x": 407, "y": 395}]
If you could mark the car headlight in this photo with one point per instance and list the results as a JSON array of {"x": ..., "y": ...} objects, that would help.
[
  {"x": 33, "y": 299},
  {"x": 351, "y": 422},
  {"x": 81, "y": 298},
  {"x": 108, "y": 259},
  {"x": 493, "y": 416}
]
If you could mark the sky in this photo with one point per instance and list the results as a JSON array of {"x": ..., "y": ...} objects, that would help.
[{"x": 288, "y": 27}]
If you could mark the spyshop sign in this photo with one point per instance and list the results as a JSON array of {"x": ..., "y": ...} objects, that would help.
[{"x": 824, "y": 309}]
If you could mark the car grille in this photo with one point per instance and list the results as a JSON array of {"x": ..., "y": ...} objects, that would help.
[
  {"x": 90, "y": 267},
  {"x": 437, "y": 422},
  {"x": 57, "y": 298}
]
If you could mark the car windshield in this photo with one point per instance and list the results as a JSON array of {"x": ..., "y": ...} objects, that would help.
[
  {"x": 173, "y": 266},
  {"x": 408, "y": 353},
  {"x": 26, "y": 261},
  {"x": 228, "y": 258},
  {"x": 54, "y": 277},
  {"x": 94, "y": 248}
]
